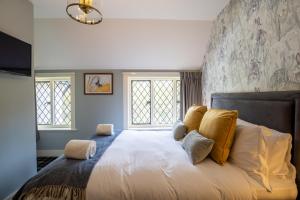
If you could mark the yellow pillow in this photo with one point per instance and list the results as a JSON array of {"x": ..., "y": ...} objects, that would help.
[
  {"x": 193, "y": 117},
  {"x": 219, "y": 125}
]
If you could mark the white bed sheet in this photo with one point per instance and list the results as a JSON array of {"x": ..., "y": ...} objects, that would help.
[
  {"x": 281, "y": 189},
  {"x": 152, "y": 165}
]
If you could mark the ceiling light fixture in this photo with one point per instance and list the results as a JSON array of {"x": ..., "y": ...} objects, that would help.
[{"x": 84, "y": 11}]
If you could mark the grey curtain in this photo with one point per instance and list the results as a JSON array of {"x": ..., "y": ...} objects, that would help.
[{"x": 191, "y": 90}]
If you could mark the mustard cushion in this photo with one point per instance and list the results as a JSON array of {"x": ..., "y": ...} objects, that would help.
[
  {"x": 193, "y": 117},
  {"x": 219, "y": 125}
]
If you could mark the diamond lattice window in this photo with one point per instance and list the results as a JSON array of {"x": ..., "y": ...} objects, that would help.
[
  {"x": 43, "y": 102},
  {"x": 163, "y": 102},
  {"x": 141, "y": 98},
  {"x": 54, "y": 102},
  {"x": 154, "y": 102},
  {"x": 62, "y": 103}
]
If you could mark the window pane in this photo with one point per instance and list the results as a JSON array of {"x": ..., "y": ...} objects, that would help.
[
  {"x": 163, "y": 101},
  {"x": 178, "y": 99},
  {"x": 141, "y": 102},
  {"x": 43, "y": 102},
  {"x": 62, "y": 103}
]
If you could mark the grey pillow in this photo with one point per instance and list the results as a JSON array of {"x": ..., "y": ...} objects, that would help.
[
  {"x": 179, "y": 130},
  {"x": 197, "y": 146}
]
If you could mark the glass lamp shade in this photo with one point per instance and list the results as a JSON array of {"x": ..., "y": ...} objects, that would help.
[{"x": 84, "y": 11}]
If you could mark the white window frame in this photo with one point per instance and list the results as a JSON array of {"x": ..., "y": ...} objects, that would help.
[
  {"x": 59, "y": 77},
  {"x": 127, "y": 78}
]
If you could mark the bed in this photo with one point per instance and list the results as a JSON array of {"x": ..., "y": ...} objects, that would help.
[{"x": 152, "y": 165}]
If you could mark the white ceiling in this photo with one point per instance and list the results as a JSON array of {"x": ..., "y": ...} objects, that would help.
[{"x": 139, "y": 9}]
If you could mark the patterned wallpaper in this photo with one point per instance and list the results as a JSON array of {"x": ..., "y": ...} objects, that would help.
[{"x": 254, "y": 46}]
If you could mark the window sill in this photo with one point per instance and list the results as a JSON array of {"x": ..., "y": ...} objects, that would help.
[
  {"x": 151, "y": 128},
  {"x": 57, "y": 129}
]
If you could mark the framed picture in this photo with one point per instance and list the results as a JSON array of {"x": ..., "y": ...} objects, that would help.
[{"x": 98, "y": 83}]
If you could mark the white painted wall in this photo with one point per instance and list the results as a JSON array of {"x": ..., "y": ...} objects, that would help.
[{"x": 120, "y": 44}]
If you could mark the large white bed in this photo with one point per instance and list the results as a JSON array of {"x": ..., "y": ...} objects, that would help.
[
  {"x": 141, "y": 165},
  {"x": 152, "y": 165}
]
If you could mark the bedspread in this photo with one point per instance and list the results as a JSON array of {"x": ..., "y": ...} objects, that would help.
[{"x": 143, "y": 165}]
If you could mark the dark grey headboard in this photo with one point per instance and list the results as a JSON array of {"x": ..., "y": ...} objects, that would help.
[{"x": 276, "y": 110}]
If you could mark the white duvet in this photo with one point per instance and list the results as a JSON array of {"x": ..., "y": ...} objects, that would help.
[{"x": 152, "y": 165}]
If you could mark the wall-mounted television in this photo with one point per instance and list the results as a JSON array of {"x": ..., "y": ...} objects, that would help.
[{"x": 15, "y": 55}]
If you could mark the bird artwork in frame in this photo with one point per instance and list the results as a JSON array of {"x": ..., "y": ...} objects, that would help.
[{"x": 98, "y": 83}]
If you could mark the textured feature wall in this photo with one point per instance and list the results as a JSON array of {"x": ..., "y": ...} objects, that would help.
[{"x": 254, "y": 46}]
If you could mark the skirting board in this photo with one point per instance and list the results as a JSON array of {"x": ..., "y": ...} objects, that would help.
[{"x": 49, "y": 153}]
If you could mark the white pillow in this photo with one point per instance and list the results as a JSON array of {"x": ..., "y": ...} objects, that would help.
[
  {"x": 249, "y": 152},
  {"x": 279, "y": 146},
  {"x": 274, "y": 158}
]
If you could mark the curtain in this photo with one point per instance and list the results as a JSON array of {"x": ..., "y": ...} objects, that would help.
[{"x": 191, "y": 90}]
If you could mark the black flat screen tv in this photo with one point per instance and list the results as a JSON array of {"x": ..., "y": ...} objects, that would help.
[{"x": 15, "y": 55}]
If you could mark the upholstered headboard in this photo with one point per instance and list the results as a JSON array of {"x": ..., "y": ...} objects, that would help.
[{"x": 276, "y": 110}]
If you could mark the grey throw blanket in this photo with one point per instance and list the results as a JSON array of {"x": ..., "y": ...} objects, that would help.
[{"x": 64, "y": 178}]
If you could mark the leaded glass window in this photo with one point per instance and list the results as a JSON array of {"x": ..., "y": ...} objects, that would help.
[
  {"x": 54, "y": 102},
  {"x": 154, "y": 102}
]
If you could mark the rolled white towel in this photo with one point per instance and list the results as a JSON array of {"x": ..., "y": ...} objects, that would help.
[
  {"x": 80, "y": 149},
  {"x": 105, "y": 129}
]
